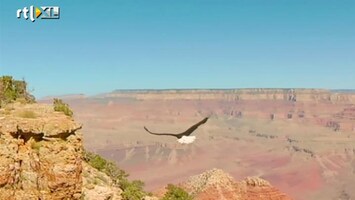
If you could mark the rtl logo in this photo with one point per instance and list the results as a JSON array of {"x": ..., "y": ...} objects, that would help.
[{"x": 42, "y": 12}]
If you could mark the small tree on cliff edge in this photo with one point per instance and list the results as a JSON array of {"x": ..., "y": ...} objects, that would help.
[
  {"x": 176, "y": 193},
  {"x": 12, "y": 90},
  {"x": 60, "y": 106},
  {"x": 131, "y": 190}
]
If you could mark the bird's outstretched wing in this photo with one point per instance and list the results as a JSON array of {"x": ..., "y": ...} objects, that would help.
[
  {"x": 170, "y": 134},
  {"x": 194, "y": 127},
  {"x": 185, "y": 133}
]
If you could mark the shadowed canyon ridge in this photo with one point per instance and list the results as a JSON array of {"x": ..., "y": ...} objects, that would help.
[{"x": 300, "y": 140}]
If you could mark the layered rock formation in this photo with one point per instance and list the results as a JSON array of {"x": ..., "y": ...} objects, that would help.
[
  {"x": 41, "y": 157},
  {"x": 217, "y": 184},
  {"x": 212, "y": 184},
  {"x": 40, "y": 153},
  {"x": 310, "y": 95},
  {"x": 254, "y": 188},
  {"x": 333, "y": 109}
]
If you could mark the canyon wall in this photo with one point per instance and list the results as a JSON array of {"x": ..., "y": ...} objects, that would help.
[
  {"x": 40, "y": 153},
  {"x": 306, "y": 95},
  {"x": 332, "y": 109}
]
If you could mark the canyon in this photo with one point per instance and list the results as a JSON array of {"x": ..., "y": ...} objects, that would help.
[
  {"x": 43, "y": 157},
  {"x": 300, "y": 140}
]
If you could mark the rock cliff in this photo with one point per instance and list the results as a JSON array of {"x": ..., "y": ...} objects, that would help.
[
  {"x": 40, "y": 153},
  {"x": 216, "y": 184},
  {"x": 41, "y": 157},
  {"x": 332, "y": 109},
  {"x": 97, "y": 185},
  {"x": 307, "y": 95}
]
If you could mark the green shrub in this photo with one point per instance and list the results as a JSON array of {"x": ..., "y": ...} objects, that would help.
[
  {"x": 132, "y": 190},
  {"x": 11, "y": 90},
  {"x": 60, "y": 106},
  {"x": 94, "y": 160},
  {"x": 108, "y": 167},
  {"x": 8, "y": 89},
  {"x": 176, "y": 193}
]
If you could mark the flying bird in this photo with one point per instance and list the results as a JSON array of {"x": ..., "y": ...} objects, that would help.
[{"x": 184, "y": 137}]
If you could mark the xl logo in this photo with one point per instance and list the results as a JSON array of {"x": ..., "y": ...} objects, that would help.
[{"x": 42, "y": 12}]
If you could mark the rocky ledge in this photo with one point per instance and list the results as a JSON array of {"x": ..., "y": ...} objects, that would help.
[{"x": 40, "y": 153}]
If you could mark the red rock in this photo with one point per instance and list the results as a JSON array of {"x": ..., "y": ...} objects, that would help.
[{"x": 216, "y": 184}]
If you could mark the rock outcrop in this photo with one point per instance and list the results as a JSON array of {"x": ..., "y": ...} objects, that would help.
[
  {"x": 40, "y": 153},
  {"x": 212, "y": 184},
  {"x": 254, "y": 188},
  {"x": 97, "y": 185},
  {"x": 216, "y": 184}
]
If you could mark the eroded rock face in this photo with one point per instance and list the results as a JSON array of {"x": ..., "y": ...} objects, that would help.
[
  {"x": 332, "y": 109},
  {"x": 254, "y": 188},
  {"x": 40, "y": 153},
  {"x": 216, "y": 184},
  {"x": 293, "y": 95},
  {"x": 212, "y": 183},
  {"x": 97, "y": 185}
]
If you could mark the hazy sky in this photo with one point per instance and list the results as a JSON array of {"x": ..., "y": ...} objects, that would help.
[{"x": 99, "y": 46}]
